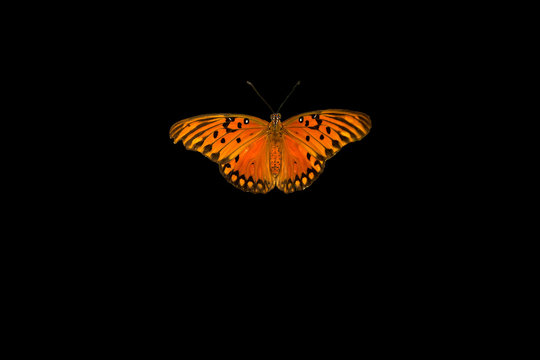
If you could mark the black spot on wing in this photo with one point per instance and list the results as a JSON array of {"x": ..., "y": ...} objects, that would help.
[
  {"x": 226, "y": 126},
  {"x": 329, "y": 152},
  {"x": 197, "y": 145},
  {"x": 207, "y": 149}
]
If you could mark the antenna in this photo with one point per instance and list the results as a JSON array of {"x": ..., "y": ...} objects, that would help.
[
  {"x": 253, "y": 86},
  {"x": 288, "y": 96}
]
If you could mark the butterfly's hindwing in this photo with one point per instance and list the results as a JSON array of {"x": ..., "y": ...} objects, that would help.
[
  {"x": 300, "y": 167},
  {"x": 250, "y": 171}
]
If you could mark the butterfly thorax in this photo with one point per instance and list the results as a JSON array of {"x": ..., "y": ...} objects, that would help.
[{"x": 275, "y": 122}]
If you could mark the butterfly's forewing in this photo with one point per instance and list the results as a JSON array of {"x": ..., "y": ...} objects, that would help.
[
  {"x": 312, "y": 138},
  {"x": 219, "y": 137},
  {"x": 325, "y": 132}
]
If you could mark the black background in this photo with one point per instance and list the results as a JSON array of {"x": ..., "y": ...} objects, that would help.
[{"x": 378, "y": 238}]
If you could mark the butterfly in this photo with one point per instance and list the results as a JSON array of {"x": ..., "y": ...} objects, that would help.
[{"x": 256, "y": 156}]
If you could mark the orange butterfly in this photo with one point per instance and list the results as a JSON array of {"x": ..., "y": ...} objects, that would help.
[{"x": 256, "y": 155}]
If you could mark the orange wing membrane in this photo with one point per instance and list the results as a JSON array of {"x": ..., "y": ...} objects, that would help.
[{"x": 219, "y": 137}]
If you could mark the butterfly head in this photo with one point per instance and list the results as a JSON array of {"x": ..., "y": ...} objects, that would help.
[
  {"x": 275, "y": 121},
  {"x": 275, "y": 117}
]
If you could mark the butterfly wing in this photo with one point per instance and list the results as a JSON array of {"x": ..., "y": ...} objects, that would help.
[
  {"x": 325, "y": 132},
  {"x": 299, "y": 167},
  {"x": 219, "y": 137},
  {"x": 237, "y": 142},
  {"x": 250, "y": 170},
  {"x": 312, "y": 138}
]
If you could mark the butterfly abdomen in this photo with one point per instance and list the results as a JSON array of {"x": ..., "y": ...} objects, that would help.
[{"x": 275, "y": 158}]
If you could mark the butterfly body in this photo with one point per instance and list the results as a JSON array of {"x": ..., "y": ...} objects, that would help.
[
  {"x": 275, "y": 129},
  {"x": 256, "y": 156}
]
